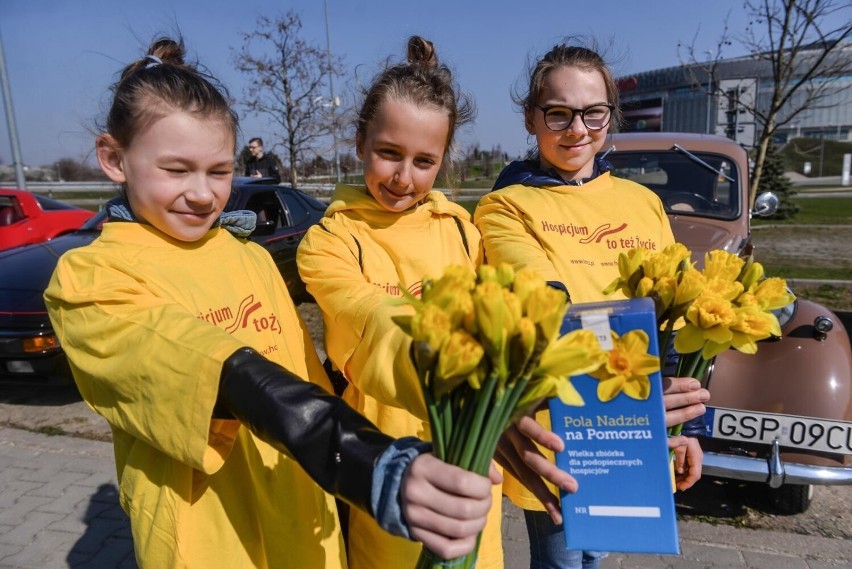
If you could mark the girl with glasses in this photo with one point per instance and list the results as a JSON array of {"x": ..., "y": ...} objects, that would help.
[{"x": 562, "y": 213}]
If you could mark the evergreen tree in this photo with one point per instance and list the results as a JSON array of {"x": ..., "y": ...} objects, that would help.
[{"x": 774, "y": 180}]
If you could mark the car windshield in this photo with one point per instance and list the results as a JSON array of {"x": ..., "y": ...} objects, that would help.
[{"x": 685, "y": 185}]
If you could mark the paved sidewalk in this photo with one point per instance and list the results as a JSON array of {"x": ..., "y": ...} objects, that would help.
[{"x": 58, "y": 509}]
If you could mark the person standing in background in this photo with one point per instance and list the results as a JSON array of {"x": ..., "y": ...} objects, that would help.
[{"x": 261, "y": 165}]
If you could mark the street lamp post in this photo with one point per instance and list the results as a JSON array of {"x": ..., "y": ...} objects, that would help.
[
  {"x": 10, "y": 122},
  {"x": 709, "y": 93},
  {"x": 333, "y": 100}
]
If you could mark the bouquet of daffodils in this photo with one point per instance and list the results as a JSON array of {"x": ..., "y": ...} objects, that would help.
[
  {"x": 487, "y": 350},
  {"x": 726, "y": 305}
]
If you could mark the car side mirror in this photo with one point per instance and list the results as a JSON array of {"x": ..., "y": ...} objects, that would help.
[
  {"x": 766, "y": 204},
  {"x": 263, "y": 228}
]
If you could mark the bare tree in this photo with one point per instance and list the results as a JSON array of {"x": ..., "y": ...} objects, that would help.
[
  {"x": 287, "y": 77},
  {"x": 806, "y": 45}
]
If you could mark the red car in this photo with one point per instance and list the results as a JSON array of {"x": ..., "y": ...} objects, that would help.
[{"x": 27, "y": 218}]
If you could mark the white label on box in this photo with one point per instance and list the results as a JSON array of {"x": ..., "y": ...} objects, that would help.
[{"x": 598, "y": 322}]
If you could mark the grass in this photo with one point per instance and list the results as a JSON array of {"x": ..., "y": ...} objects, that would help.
[
  {"x": 825, "y": 154},
  {"x": 816, "y": 211}
]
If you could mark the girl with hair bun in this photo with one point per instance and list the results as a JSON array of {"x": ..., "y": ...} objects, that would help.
[
  {"x": 383, "y": 236},
  {"x": 222, "y": 447}
]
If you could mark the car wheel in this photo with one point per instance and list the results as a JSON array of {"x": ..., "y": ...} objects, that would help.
[{"x": 792, "y": 499}]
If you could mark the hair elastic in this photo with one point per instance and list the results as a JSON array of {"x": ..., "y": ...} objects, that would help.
[{"x": 154, "y": 61}]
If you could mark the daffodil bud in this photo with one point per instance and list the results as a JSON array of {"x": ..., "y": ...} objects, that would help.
[
  {"x": 772, "y": 294},
  {"x": 521, "y": 347},
  {"x": 689, "y": 286},
  {"x": 643, "y": 287},
  {"x": 505, "y": 274},
  {"x": 751, "y": 274},
  {"x": 491, "y": 316},
  {"x": 486, "y": 273}
]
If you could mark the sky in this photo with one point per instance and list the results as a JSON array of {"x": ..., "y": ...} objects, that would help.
[{"x": 63, "y": 55}]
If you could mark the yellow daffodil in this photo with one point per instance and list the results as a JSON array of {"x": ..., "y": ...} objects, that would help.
[
  {"x": 708, "y": 318},
  {"x": 527, "y": 281},
  {"x": 451, "y": 291},
  {"x": 772, "y": 294},
  {"x": 657, "y": 265},
  {"x": 431, "y": 325},
  {"x": 459, "y": 356},
  {"x": 722, "y": 265},
  {"x": 629, "y": 269},
  {"x": 574, "y": 353},
  {"x": 547, "y": 386},
  {"x": 627, "y": 367},
  {"x": 679, "y": 255},
  {"x": 546, "y": 307},
  {"x": 727, "y": 289},
  {"x": 755, "y": 324}
]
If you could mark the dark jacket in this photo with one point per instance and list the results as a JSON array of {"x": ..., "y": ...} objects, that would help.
[{"x": 266, "y": 165}]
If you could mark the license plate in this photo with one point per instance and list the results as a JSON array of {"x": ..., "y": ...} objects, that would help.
[{"x": 790, "y": 430}]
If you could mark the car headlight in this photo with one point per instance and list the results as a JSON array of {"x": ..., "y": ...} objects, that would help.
[{"x": 786, "y": 313}]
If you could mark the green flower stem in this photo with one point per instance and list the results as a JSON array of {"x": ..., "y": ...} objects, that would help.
[
  {"x": 665, "y": 339},
  {"x": 438, "y": 441},
  {"x": 697, "y": 367},
  {"x": 499, "y": 420},
  {"x": 461, "y": 433},
  {"x": 483, "y": 404},
  {"x": 445, "y": 412}
]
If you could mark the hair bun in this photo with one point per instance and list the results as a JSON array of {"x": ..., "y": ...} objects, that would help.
[
  {"x": 168, "y": 50},
  {"x": 421, "y": 52}
]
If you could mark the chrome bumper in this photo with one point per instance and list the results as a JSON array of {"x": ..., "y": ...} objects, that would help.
[{"x": 773, "y": 470}]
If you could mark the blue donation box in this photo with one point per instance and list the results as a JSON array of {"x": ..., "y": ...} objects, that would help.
[{"x": 617, "y": 449}]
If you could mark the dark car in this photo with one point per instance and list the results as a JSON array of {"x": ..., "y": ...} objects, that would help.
[
  {"x": 27, "y": 218},
  {"x": 29, "y": 350}
]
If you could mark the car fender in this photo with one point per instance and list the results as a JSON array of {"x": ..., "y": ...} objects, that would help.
[{"x": 801, "y": 373}]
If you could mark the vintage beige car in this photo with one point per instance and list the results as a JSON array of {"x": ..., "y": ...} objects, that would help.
[{"x": 784, "y": 415}]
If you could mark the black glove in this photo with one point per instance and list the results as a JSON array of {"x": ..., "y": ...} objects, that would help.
[{"x": 333, "y": 443}]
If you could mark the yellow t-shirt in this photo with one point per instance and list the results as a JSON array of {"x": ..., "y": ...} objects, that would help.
[
  {"x": 147, "y": 322},
  {"x": 572, "y": 235},
  {"x": 358, "y": 258}
]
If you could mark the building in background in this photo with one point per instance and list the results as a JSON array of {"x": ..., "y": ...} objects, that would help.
[{"x": 677, "y": 99}]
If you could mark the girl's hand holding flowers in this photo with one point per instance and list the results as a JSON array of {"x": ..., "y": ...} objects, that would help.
[
  {"x": 726, "y": 305},
  {"x": 487, "y": 350}
]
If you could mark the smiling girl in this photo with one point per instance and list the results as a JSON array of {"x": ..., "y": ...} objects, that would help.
[
  {"x": 379, "y": 238},
  {"x": 562, "y": 214},
  {"x": 222, "y": 455}
]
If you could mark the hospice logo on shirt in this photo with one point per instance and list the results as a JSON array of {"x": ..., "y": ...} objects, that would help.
[
  {"x": 394, "y": 289},
  {"x": 249, "y": 314},
  {"x": 586, "y": 236}
]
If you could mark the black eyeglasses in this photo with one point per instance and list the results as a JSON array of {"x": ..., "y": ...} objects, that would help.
[{"x": 595, "y": 117}]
